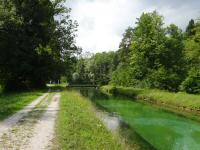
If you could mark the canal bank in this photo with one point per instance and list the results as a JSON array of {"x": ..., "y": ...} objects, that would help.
[
  {"x": 78, "y": 128},
  {"x": 161, "y": 129},
  {"x": 126, "y": 135},
  {"x": 183, "y": 104}
]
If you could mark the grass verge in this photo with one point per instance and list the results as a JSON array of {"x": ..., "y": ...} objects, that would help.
[
  {"x": 10, "y": 103},
  {"x": 181, "y": 103},
  {"x": 78, "y": 127}
]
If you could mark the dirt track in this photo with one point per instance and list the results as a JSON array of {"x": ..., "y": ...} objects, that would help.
[{"x": 31, "y": 128}]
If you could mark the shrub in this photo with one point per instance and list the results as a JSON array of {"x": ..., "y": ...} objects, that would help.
[
  {"x": 192, "y": 83},
  {"x": 164, "y": 79},
  {"x": 122, "y": 76}
]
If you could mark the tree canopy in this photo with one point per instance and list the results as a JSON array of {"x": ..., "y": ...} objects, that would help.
[
  {"x": 37, "y": 42},
  {"x": 155, "y": 54}
]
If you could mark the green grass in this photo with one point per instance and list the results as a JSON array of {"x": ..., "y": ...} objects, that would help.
[
  {"x": 57, "y": 85},
  {"x": 10, "y": 103},
  {"x": 78, "y": 127},
  {"x": 180, "y": 100}
]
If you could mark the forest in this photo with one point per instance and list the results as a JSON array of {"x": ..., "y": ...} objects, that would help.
[
  {"x": 36, "y": 47},
  {"x": 150, "y": 55}
]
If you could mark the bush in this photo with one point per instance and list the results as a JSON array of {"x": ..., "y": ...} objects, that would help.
[
  {"x": 192, "y": 83},
  {"x": 122, "y": 76},
  {"x": 164, "y": 79}
]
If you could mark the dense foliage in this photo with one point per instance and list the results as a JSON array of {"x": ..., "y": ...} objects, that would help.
[
  {"x": 36, "y": 42},
  {"x": 151, "y": 55},
  {"x": 192, "y": 83},
  {"x": 155, "y": 54},
  {"x": 96, "y": 69}
]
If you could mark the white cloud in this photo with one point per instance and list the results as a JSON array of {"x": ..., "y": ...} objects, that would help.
[{"x": 102, "y": 22}]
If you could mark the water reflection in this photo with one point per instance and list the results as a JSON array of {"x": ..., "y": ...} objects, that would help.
[
  {"x": 114, "y": 122},
  {"x": 93, "y": 94},
  {"x": 111, "y": 121}
]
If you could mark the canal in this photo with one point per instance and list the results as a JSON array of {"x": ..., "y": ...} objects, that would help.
[{"x": 145, "y": 126}]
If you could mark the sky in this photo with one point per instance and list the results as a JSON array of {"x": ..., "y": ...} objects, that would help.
[{"x": 103, "y": 22}]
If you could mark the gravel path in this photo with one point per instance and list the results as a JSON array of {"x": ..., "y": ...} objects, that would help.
[
  {"x": 9, "y": 122},
  {"x": 33, "y": 127},
  {"x": 44, "y": 130}
]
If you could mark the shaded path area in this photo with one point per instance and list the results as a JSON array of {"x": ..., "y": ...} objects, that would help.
[{"x": 31, "y": 128}]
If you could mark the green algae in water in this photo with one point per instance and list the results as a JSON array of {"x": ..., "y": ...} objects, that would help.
[{"x": 165, "y": 131}]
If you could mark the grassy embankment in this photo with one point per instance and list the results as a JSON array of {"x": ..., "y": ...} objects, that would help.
[
  {"x": 77, "y": 125},
  {"x": 10, "y": 103},
  {"x": 180, "y": 103}
]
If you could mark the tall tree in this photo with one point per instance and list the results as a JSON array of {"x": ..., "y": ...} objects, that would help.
[
  {"x": 156, "y": 53},
  {"x": 147, "y": 46},
  {"x": 172, "y": 59},
  {"x": 190, "y": 28},
  {"x": 34, "y": 45},
  {"x": 124, "y": 47},
  {"x": 192, "y": 53}
]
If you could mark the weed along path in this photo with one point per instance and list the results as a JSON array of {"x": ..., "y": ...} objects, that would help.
[{"x": 33, "y": 128}]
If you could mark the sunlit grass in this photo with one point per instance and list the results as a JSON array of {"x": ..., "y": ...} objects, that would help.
[
  {"x": 57, "y": 85},
  {"x": 12, "y": 102},
  {"x": 78, "y": 128}
]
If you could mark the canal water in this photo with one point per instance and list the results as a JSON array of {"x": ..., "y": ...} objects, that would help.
[{"x": 145, "y": 125}]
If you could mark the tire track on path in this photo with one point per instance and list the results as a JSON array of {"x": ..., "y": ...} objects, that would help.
[
  {"x": 18, "y": 135},
  {"x": 6, "y": 124},
  {"x": 44, "y": 130}
]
